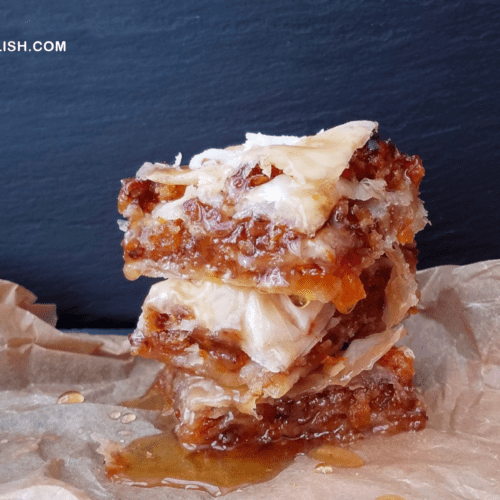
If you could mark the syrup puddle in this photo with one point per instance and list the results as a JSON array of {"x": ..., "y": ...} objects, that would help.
[{"x": 160, "y": 460}]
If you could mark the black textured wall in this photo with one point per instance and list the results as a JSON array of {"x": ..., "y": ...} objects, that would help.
[{"x": 143, "y": 81}]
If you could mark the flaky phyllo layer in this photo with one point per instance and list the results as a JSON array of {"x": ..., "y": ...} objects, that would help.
[{"x": 291, "y": 263}]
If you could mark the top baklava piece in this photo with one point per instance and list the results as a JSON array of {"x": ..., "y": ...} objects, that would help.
[{"x": 300, "y": 216}]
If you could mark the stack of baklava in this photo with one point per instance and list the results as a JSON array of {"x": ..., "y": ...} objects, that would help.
[{"x": 290, "y": 264}]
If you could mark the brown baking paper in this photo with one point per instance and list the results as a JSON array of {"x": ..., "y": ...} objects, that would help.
[{"x": 50, "y": 450}]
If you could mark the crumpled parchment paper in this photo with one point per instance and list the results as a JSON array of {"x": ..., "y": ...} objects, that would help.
[{"x": 55, "y": 451}]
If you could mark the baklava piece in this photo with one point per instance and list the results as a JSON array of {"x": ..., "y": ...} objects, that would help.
[
  {"x": 300, "y": 216},
  {"x": 381, "y": 400}
]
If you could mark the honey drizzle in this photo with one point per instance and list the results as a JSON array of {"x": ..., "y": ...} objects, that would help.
[{"x": 160, "y": 460}]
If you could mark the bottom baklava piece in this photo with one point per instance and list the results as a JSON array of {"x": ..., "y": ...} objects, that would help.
[
  {"x": 221, "y": 449},
  {"x": 380, "y": 400}
]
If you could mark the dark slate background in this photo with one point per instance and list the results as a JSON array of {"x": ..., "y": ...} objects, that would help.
[{"x": 143, "y": 81}]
